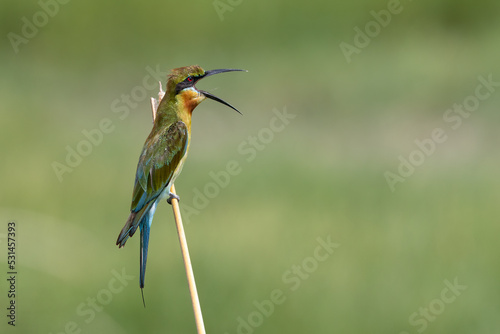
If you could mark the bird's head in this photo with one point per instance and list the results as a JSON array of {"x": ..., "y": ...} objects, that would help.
[{"x": 181, "y": 86}]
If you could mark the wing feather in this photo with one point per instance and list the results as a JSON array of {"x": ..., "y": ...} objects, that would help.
[{"x": 158, "y": 162}]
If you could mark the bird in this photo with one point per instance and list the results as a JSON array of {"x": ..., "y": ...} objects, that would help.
[{"x": 164, "y": 153}]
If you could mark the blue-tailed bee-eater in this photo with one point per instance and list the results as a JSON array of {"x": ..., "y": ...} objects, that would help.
[{"x": 164, "y": 152}]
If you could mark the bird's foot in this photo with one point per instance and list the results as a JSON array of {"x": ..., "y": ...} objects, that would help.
[{"x": 172, "y": 195}]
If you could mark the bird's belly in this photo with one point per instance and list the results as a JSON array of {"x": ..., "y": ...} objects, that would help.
[{"x": 164, "y": 193}]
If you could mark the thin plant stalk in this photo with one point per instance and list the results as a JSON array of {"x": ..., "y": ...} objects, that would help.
[{"x": 200, "y": 326}]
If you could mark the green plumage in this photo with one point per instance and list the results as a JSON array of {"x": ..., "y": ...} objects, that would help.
[{"x": 164, "y": 152}]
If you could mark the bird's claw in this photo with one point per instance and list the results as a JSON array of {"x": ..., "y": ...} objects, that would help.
[{"x": 172, "y": 195}]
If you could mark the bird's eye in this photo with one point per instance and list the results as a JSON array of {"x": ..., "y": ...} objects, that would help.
[{"x": 189, "y": 79}]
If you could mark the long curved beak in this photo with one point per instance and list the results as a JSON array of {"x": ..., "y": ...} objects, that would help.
[{"x": 213, "y": 97}]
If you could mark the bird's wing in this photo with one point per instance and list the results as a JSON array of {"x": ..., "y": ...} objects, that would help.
[{"x": 159, "y": 159}]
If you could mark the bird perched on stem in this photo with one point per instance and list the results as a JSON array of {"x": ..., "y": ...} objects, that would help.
[{"x": 164, "y": 152}]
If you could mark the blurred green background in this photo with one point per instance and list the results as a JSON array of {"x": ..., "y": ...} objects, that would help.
[{"x": 321, "y": 176}]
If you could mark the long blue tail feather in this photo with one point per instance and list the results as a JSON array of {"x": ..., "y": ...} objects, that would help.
[{"x": 145, "y": 226}]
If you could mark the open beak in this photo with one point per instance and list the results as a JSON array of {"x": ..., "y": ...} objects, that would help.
[{"x": 213, "y": 97}]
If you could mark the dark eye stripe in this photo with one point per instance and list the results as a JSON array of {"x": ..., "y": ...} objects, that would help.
[{"x": 188, "y": 82}]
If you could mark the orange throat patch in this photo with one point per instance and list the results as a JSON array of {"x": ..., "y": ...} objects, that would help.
[{"x": 190, "y": 98}]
